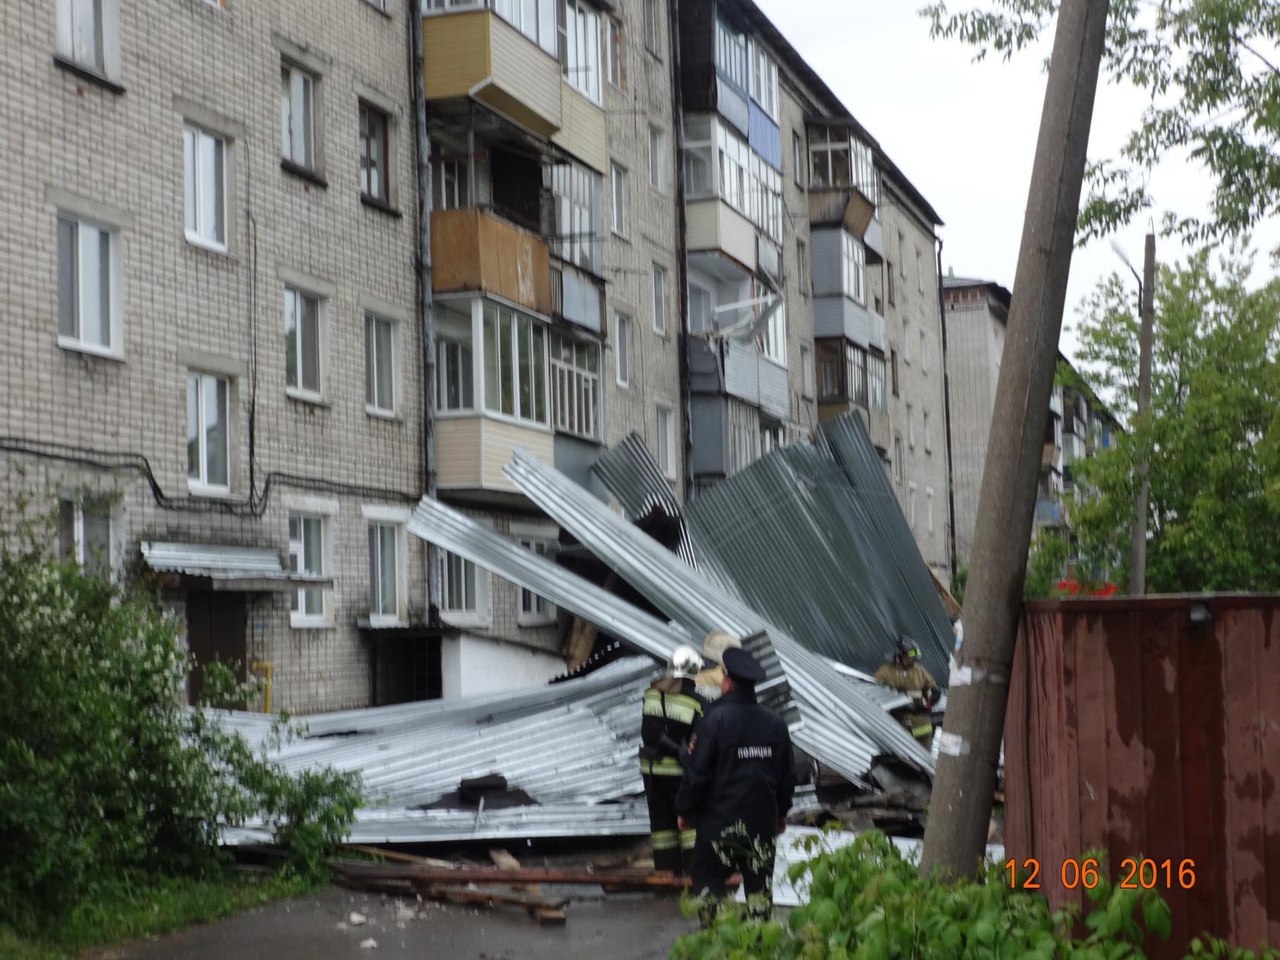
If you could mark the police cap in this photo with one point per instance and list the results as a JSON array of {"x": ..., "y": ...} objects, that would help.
[{"x": 741, "y": 665}]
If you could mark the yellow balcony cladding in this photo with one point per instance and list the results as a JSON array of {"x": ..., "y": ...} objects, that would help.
[
  {"x": 472, "y": 450},
  {"x": 582, "y": 129},
  {"x": 474, "y": 251},
  {"x": 712, "y": 224},
  {"x": 478, "y": 54}
]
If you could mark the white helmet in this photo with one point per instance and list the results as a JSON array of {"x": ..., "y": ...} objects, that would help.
[{"x": 685, "y": 662}]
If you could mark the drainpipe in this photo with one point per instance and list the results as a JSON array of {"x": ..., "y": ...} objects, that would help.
[
  {"x": 682, "y": 253},
  {"x": 422, "y": 163},
  {"x": 946, "y": 416}
]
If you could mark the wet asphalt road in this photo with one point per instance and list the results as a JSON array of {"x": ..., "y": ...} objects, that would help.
[{"x": 598, "y": 927}]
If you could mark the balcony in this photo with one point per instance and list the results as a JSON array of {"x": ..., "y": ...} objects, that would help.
[
  {"x": 472, "y": 250},
  {"x": 1050, "y": 513},
  {"x": 845, "y": 206},
  {"x": 472, "y": 450},
  {"x": 739, "y": 370},
  {"x": 1051, "y": 457},
  {"x": 475, "y": 53},
  {"x": 842, "y": 317},
  {"x": 713, "y": 225}
]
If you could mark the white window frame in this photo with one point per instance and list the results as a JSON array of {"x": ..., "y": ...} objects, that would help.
[
  {"x": 96, "y": 53},
  {"x": 200, "y": 483},
  {"x": 613, "y": 53},
  {"x": 542, "y": 540},
  {"x": 702, "y": 303},
  {"x": 919, "y": 271},
  {"x": 854, "y": 260},
  {"x": 797, "y": 158},
  {"x": 299, "y": 617},
  {"x": 577, "y": 214},
  {"x": 375, "y": 153},
  {"x": 373, "y": 382},
  {"x": 924, "y": 352},
  {"x": 81, "y": 551},
  {"x": 201, "y": 223},
  {"x": 581, "y": 42},
  {"x": 911, "y": 427},
  {"x": 492, "y": 314},
  {"x": 297, "y": 115},
  {"x": 906, "y": 342},
  {"x": 619, "y": 194},
  {"x": 622, "y": 325},
  {"x": 455, "y": 358},
  {"x": 657, "y": 158},
  {"x": 111, "y": 312},
  {"x": 763, "y": 74},
  {"x": 659, "y": 291},
  {"x": 396, "y": 519},
  {"x": 294, "y": 297},
  {"x": 665, "y": 442},
  {"x": 773, "y": 338},
  {"x": 482, "y": 613},
  {"x": 928, "y": 433},
  {"x": 911, "y": 505},
  {"x": 450, "y": 187},
  {"x": 899, "y": 460},
  {"x": 803, "y": 276},
  {"x": 652, "y": 27},
  {"x": 928, "y": 504},
  {"x": 806, "y": 371},
  {"x": 575, "y": 390}
]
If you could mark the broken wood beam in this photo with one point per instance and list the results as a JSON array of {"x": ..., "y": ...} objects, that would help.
[
  {"x": 522, "y": 876},
  {"x": 399, "y": 857},
  {"x": 489, "y": 895}
]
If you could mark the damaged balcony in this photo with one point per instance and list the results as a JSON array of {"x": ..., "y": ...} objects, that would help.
[
  {"x": 852, "y": 378},
  {"x": 474, "y": 250},
  {"x": 844, "y": 187}
]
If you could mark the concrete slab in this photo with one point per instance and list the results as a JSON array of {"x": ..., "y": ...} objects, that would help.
[{"x": 617, "y": 926}]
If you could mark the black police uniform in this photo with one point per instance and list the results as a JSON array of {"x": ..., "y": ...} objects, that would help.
[
  {"x": 738, "y": 784},
  {"x": 671, "y": 708}
]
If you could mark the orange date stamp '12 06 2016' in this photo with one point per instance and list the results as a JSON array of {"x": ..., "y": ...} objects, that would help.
[{"x": 1136, "y": 874}]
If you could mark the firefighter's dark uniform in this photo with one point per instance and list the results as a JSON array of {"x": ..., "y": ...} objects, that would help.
[
  {"x": 738, "y": 784},
  {"x": 917, "y": 683},
  {"x": 671, "y": 708}
]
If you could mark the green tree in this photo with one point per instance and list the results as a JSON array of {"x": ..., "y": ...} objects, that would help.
[
  {"x": 1212, "y": 437},
  {"x": 1046, "y": 565},
  {"x": 1214, "y": 89}
]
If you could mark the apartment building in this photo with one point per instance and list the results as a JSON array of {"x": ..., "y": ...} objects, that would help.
[
  {"x": 211, "y": 362},
  {"x": 1077, "y": 423},
  {"x": 554, "y": 282}
]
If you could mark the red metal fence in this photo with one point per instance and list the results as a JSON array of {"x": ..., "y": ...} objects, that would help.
[{"x": 1151, "y": 729}]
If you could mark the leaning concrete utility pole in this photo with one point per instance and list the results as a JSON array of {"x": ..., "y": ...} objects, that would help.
[
  {"x": 969, "y": 745},
  {"x": 1138, "y": 547}
]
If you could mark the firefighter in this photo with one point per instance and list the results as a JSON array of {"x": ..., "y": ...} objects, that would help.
[
  {"x": 737, "y": 790},
  {"x": 671, "y": 707},
  {"x": 904, "y": 672}
]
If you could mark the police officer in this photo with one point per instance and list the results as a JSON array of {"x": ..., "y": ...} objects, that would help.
[
  {"x": 671, "y": 708},
  {"x": 738, "y": 783},
  {"x": 906, "y": 674}
]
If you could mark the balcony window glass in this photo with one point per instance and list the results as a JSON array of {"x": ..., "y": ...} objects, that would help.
[
  {"x": 455, "y": 388},
  {"x": 747, "y": 182},
  {"x": 773, "y": 339},
  {"x": 700, "y": 316},
  {"x": 536, "y": 19},
  {"x": 731, "y": 54},
  {"x": 855, "y": 263},
  {"x": 764, "y": 80},
  {"x": 856, "y": 374},
  {"x": 699, "y": 158},
  {"x": 875, "y": 382},
  {"x": 515, "y": 366},
  {"x": 582, "y": 49},
  {"x": 575, "y": 386},
  {"x": 577, "y": 219},
  {"x": 830, "y": 370},
  {"x": 450, "y": 187}
]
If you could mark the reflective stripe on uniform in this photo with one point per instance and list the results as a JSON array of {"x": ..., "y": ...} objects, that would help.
[
  {"x": 687, "y": 839},
  {"x": 922, "y": 731},
  {"x": 666, "y": 767},
  {"x": 665, "y": 839},
  {"x": 678, "y": 707}
]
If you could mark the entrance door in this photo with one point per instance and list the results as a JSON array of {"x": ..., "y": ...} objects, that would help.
[{"x": 215, "y": 631}]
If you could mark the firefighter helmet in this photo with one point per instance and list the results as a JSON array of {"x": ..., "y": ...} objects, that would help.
[{"x": 685, "y": 662}]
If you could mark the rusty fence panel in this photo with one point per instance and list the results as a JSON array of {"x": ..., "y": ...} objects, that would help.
[{"x": 1150, "y": 728}]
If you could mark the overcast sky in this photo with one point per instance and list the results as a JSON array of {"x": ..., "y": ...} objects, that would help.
[{"x": 965, "y": 132}]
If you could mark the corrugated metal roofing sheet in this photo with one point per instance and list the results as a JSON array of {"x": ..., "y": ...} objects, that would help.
[
  {"x": 630, "y": 473},
  {"x": 218, "y": 561}
]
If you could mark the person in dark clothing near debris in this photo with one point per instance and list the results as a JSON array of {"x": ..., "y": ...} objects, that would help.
[
  {"x": 671, "y": 708},
  {"x": 738, "y": 785}
]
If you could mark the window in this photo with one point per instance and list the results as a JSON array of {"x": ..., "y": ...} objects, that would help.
[
  {"x": 301, "y": 343},
  {"x": 657, "y": 158},
  {"x": 830, "y": 369},
  {"x": 802, "y": 267},
  {"x": 379, "y": 364},
  {"x": 84, "y": 535},
  {"x": 208, "y": 436},
  {"x": 893, "y": 370},
  {"x": 576, "y": 212},
  {"x": 699, "y": 158},
  {"x": 928, "y": 505},
  {"x": 875, "y": 382},
  {"x": 575, "y": 386},
  {"x": 581, "y": 45},
  {"x": 855, "y": 263},
  {"x": 464, "y": 590},
  {"x": 797, "y": 158},
  {"x": 911, "y": 428},
  {"x": 890, "y": 284},
  {"x": 622, "y": 348},
  {"x": 806, "y": 371},
  {"x": 745, "y": 436},
  {"x": 856, "y": 374},
  {"x": 924, "y": 353},
  {"x": 204, "y": 157},
  {"x": 899, "y": 460},
  {"x": 307, "y": 556},
  {"x": 911, "y": 505},
  {"x": 731, "y": 54},
  {"x": 746, "y": 181},
  {"x": 902, "y": 256},
  {"x": 701, "y": 314},
  {"x": 449, "y": 188},
  {"x": 375, "y": 142},
  {"x": 919, "y": 271},
  {"x": 535, "y": 611},
  {"x": 773, "y": 339},
  {"x": 297, "y": 140},
  {"x": 659, "y": 299},
  {"x": 764, "y": 80},
  {"x": 89, "y": 301},
  {"x": 928, "y": 435},
  {"x": 651, "y": 26},
  {"x": 906, "y": 342},
  {"x": 82, "y": 33},
  {"x": 455, "y": 377},
  {"x": 618, "y": 183},
  {"x": 613, "y": 52},
  {"x": 536, "y": 19},
  {"x": 515, "y": 366},
  {"x": 666, "y": 441},
  {"x": 384, "y": 572}
]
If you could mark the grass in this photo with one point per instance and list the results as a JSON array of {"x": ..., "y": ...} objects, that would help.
[{"x": 147, "y": 908}]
